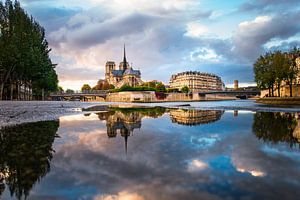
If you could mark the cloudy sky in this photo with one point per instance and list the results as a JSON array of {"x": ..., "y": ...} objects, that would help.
[{"x": 164, "y": 37}]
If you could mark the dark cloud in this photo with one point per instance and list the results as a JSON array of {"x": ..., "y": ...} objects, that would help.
[
  {"x": 252, "y": 35},
  {"x": 93, "y": 33},
  {"x": 268, "y": 5},
  {"x": 51, "y": 18}
]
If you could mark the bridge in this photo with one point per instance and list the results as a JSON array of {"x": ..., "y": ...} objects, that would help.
[
  {"x": 242, "y": 94},
  {"x": 78, "y": 95}
]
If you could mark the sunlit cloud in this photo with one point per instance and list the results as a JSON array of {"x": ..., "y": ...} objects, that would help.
[
  {"x": 196, "y": 166},
  {"x": 124, "y": 195}
]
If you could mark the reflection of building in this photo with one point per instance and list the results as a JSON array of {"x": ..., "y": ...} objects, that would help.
[
  {"x": 195, "y": 117},
  {"x": 124, "y": 124},
  {"x": 296, "y": 133},
  {"x": 125, "y": 75},
  {"x": 197, "y": 81}
]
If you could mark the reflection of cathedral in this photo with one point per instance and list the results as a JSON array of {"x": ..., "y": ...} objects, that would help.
[
  {"x": 122, "y": 123},
  {"x": 195, "y": 117},
  {"x": 125, "y": 75}
]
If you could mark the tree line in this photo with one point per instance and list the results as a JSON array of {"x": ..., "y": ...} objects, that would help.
[
  {"x": 24, "y": 55},
  {"x": 272, "y": 69}
]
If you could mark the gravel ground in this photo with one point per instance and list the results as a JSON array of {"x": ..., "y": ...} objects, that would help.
[{"x": 17, "y": 112}]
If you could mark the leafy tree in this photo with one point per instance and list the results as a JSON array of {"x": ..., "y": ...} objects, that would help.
[
  {"x": 274, "y": 68},
  {"x": 264, "y": 73},
  {"x": 103, "y": 85},
  {"x": 160, "y": 87},
  {"x": 86, "y": 87},
  {"x": 292, "y": 68},
  {"x": 185, "y": 89},
  {"x": 280, "y": 65},
  {"x": 24, "y": 53},
  {"x": 69, "y": 91},
  {"x": 60, "y": 89}
]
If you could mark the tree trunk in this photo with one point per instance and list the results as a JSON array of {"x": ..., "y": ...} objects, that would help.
[
  {"x": 272, "y": 90},
  {"x": 43, "y": 95},
  {"x": 1, "y": 91},
  {"x": 278, "y": 89},
  {"x": 11, "y": 91},
  {"x": 291, "y": 89},
  {"x": 269, "y": 91}
]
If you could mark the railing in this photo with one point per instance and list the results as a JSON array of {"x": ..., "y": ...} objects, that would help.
[{"x": 81, "y": 92}]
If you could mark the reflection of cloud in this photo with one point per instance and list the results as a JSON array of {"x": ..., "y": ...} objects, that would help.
[
  {"x": 252, "y": 172},
  {"x": 124, "y": 195},
  {"x": 196, "y": 166},
  {"x": 156, "y": 168}
]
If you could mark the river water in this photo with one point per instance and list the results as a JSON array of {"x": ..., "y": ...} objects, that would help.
[{"x": 153, "y": 153}]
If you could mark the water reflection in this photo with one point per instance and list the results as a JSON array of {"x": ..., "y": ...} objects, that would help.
[
  {"x": 26, "y": 151},
  {"x": 195, "y": 117},
  {"x": 277, "y": 127},
  {"x": 173, "y": 154}
]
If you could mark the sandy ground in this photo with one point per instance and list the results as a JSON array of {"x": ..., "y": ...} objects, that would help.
[{"x": 17, "y": 112}]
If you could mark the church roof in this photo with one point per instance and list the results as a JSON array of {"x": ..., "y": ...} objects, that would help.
[
  {"x": 117, "y": 72},
  {"x": 131, "y": 71}
]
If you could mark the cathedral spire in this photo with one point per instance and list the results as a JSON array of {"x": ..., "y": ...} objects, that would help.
[{"x": 124, "y": 59}]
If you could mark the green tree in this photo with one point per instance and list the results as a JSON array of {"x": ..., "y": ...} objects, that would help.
[
  {"x": 69, "y": 91},
  {"x": 160, "y": 87},
  {"x": 185, "y": 89},
  {"x": 292, "y": 69},
  {"x": 86, "y": 87},
  {"x": 264, "y": 73},
  {"x": 24, "y": 52},
  {"x": 280, "y": 64}
]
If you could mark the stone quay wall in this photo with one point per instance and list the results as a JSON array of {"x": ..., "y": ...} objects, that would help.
[{"x": 150, "y": 96}]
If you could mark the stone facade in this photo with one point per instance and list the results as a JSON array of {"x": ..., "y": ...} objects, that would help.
[
  {"x": 125, "y": 75},
  {"x": 197, "y": 81}
]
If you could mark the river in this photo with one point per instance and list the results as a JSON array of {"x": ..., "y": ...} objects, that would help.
[{"x": 153, "y": 153}]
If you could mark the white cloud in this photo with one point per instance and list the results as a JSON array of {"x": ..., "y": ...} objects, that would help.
[
  {"x": 205, "y": 54},
  {"x": 196, "y": 166},
  {"x": 257, "y": 22},
  {"x": 195, "y": 29}
]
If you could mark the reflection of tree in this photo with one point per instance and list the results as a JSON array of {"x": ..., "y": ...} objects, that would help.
[
  {"x": 195, "y": 117},
  {"x": 275, "y": 127},
  {"x": 26, "y": 151}
]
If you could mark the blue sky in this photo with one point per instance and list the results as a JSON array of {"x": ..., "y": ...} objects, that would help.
[{"x": 164, "y": 37}]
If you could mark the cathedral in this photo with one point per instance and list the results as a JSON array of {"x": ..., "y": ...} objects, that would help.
[{"x": 125, "y": 75}]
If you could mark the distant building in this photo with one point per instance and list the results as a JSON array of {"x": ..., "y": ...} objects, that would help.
[
  {"x": 125, "y": 75},
  {"x": 197, "y": 81},
  {"x": 236, "y": 84}
]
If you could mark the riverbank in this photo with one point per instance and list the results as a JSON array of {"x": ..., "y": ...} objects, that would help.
[
  {"x": 280, "y": 101},
  {"x": 17, "y": 112}
]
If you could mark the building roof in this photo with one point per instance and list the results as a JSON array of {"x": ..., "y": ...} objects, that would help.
[
  {"x": 131, "y": 71},
  {"x": 117, "y": 72}
]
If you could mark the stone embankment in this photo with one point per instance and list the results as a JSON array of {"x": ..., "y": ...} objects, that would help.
[{"x": 282, "y": 101}]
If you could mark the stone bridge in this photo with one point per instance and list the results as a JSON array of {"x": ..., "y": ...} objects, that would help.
[{"x": 77, "y": 95}]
